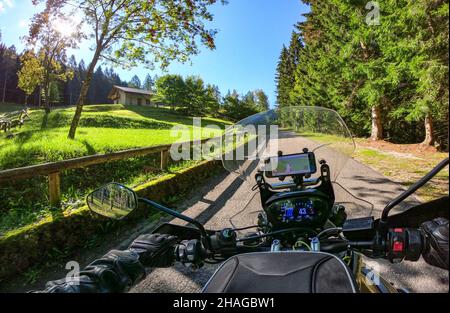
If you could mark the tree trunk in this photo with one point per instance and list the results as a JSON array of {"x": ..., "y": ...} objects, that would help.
[
  {"x": 83, "y": 93},
  {"x": 47, "y": 91},
  {"x": 4, "y": 89},
  {"x": 377, "y": 126},
  {"x": 429, "y": 136},
  {"x": 40, "y": 96},
  {"x": 47, "y": 98}
]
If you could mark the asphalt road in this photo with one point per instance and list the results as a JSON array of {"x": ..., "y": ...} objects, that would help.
[{"x": 228, "y": 200}]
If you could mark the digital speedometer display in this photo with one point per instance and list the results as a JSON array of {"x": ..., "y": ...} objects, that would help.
[
  {"x": 297, "y": 210},
  {"x": 307, "y": 209}
]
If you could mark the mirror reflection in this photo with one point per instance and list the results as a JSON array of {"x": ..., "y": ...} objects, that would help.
[{"x": 112, "y": 200}]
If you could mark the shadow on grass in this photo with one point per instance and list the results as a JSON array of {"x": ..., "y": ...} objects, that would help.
[
  {"x": 44, "y": 120},
  {"x": 59, "y": 119},
  {"x": 89, "y": 148},
  {"x": 163, "y": 115}
]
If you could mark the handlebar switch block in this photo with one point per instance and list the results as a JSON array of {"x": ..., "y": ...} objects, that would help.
[
  {"x": 224, "y": 241},
  {"x": 396, "y": 241},
  {"x": 404, "y": 243},
  {"x": 189, "y": 252}
]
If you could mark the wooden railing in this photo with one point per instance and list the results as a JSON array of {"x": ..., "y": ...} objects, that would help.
[{"x": 53, "y": 169}]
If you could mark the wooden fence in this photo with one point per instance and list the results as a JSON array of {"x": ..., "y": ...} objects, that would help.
[{"x": 53, "y": 169}]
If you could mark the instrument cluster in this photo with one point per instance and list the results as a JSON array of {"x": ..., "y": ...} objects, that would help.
[{"x": 298, "y": 212}]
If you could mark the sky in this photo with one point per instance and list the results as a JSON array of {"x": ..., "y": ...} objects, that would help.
[{"x": 251, "y": 35}]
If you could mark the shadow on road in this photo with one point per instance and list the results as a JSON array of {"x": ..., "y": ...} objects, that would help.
[{"x": 219, "y": 203}]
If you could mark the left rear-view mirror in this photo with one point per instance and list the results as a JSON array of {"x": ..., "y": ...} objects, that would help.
[{"x": 112, "y": 200}]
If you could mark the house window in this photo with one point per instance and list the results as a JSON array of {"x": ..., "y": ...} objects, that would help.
[
  {"x": 147, "y": 102},
  {"x": 139, "y": 101}
]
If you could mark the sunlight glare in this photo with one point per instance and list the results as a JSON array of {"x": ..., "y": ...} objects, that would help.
[{"x": 65, "y": 27}]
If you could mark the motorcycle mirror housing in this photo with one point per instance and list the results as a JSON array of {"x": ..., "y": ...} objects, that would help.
[
  {"x": 116, "y": 201},
  {"x": 112, "y": 200}
]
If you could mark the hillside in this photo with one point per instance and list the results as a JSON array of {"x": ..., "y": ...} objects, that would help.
[{"x": 103, "y": 128}]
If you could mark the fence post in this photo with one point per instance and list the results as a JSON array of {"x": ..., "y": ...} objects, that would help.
[
  {"x": 164, "y": 159},
  {"x": 54, "y": 189}
]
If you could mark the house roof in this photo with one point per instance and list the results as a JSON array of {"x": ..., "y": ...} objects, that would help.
[{"x": 133, "y": 90}]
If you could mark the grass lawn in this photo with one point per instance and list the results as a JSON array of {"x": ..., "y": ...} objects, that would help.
[
  {"x": 103, "y": 128},
  {"x": 402, "y": 163},
  {"x": 405, "y": 164}
]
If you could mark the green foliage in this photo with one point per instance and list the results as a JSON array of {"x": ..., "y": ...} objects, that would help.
[
  {"x": 262, "y": 101},
  {"x": 53, "y": 94},
  {"x": 287, "y": 65},
  {"x": 194, "y": 100},
  {"x": 236, "y": 108},
  {"x": 212, "y": 99},
  {"x": 31, "y": 276},
  {"x": 135, "y": 82},
  {"x": 52, "y": 35},
  {"x": 170, "y": 90},
  {"x": 131, "y": 32},
  {"x": 149, "y": 83},
  {"x": 31, "y": 74},
  {"x": 398, "y": 65},
  {"x": 42, "y": 139},
  {"x": 191, "y": 96}
]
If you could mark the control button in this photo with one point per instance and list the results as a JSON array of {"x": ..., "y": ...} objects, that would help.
[{"x": 397, "y": 246}]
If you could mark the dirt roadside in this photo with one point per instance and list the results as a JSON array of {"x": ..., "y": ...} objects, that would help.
[{"x": 405, "y": 164}]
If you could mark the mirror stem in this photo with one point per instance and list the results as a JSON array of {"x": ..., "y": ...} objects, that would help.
[
  {"x": 409, "y": 191},
  {"x": 176, "y": 214}
]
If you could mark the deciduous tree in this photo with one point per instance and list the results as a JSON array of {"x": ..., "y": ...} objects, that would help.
[
  {"x": 31, "y": 73},
  {"x": 52, "y": 34},
  {"x": 128, "y": 32}
]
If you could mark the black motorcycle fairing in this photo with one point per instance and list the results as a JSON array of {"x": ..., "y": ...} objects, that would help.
[{"x": 282, "y": 272}]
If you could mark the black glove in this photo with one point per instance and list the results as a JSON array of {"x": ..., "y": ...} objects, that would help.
[
  {"x": 436, "y": 250},
  {"x": 116, "y": 271},
  {"x": 155, "y": 250}
]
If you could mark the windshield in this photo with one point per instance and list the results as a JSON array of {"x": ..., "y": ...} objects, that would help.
[
  {"x": 293, "y": 130},
  {"x": 289, "y": 130}
]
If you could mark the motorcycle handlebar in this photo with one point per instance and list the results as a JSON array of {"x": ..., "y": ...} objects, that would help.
[{"x": 398, "y": 244}]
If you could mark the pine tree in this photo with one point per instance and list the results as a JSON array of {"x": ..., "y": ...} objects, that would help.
[
  {"x": 284, "y": 72},
  {"x": 425, "y": 28},
  {"x": 135, "y": 82},
  {"x": 287, "y": 65},
  {"x": 261, "y": 99},
  {"x": 377, "y": 75},
  {"x": 212, "y": 100},
  {"x": 148, "y": 83}
]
